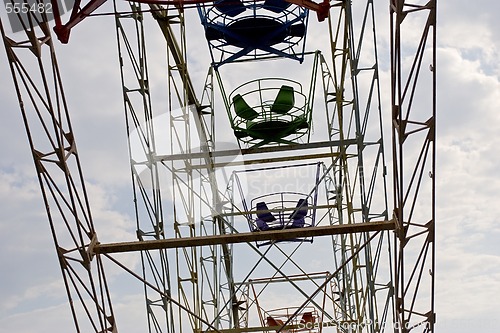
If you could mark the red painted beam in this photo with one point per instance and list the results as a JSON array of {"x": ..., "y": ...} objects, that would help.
[{"x": 77, "y": 15}]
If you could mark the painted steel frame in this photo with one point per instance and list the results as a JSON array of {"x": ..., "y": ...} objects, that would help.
[
  {"x": 46, "y": 118},
  {"x": 414, "y": 130},
  {"x": 147, "y": 198},
  {"x": 48, "y": 127},
  {"x": 354, "y": 111},
  {"x": 171, "y": 314},
  {"x": 83, "y": 9}
]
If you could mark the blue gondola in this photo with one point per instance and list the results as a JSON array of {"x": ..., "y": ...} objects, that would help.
[{"x": 254, "y": 29}]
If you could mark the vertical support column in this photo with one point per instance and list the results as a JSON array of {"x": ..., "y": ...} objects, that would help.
[
  {"x": 413, "y": 66},
  {"x": 46, "y": 117},
  {"x": 215, "y": 260},
  {"x": 191, "y": 120},
  {"x": 352, "y": 98},
  {"x": 181, "y": 102},
  {"x": 145, "y": 170}
]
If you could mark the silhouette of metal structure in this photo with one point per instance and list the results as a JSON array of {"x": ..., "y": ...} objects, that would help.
[{"x": 219, "y": 257}]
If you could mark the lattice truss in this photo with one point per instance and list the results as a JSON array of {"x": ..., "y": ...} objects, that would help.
[{"x": 331, "y": 256}]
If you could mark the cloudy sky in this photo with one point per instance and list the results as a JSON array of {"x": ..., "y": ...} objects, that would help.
[{"x": 32, "y": 297}]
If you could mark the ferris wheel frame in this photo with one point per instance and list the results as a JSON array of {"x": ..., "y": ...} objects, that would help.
[{"x": 68, "y": 193}]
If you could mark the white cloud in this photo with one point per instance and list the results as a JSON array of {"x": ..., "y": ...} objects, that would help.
[{"x": 467, "y": 176}]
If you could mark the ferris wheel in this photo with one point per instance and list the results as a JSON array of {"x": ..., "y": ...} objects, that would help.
[{"x": 261, "y": 198}]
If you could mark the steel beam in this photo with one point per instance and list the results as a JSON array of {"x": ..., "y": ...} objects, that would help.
[
  {"x": 260, "y": 150},
  {"x": 246, "y": 237}
]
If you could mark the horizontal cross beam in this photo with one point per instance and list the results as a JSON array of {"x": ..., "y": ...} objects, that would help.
[
  {"x": 246, "y": 237},
  {"x": 260, "y": 150}
]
